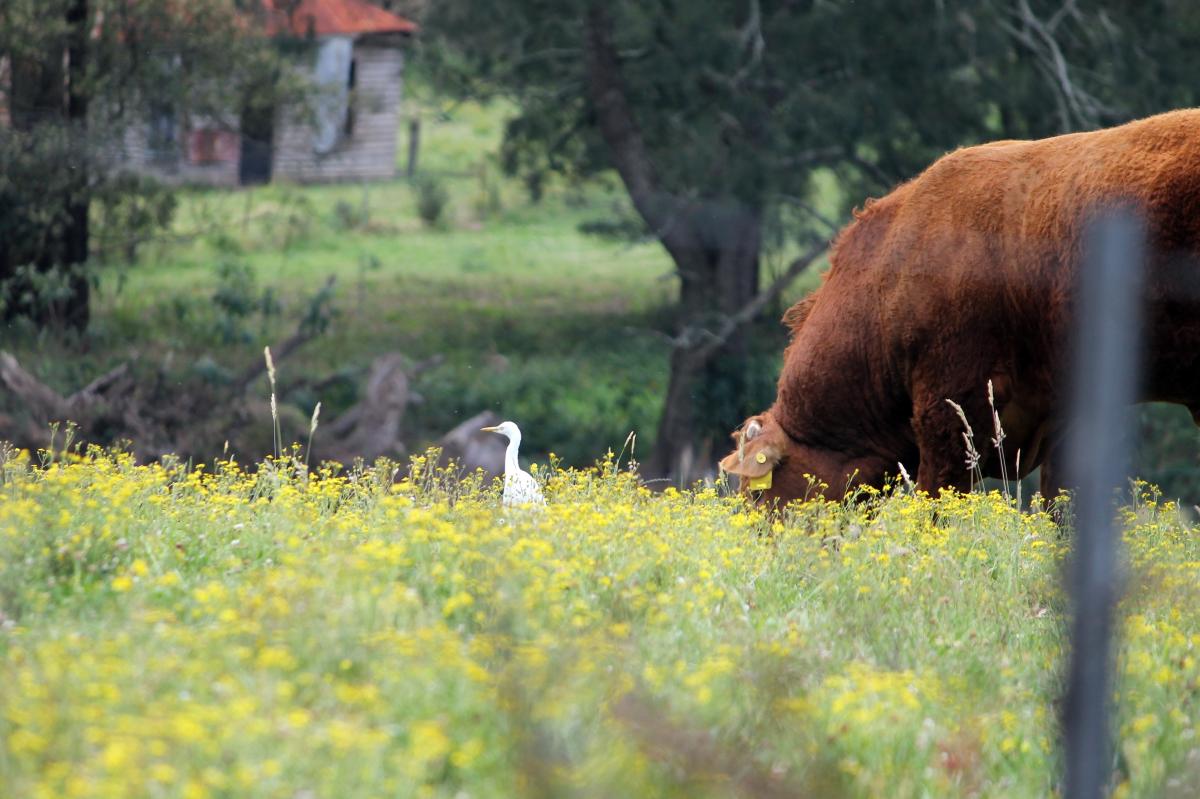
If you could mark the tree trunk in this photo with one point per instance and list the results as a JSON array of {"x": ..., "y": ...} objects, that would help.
[
  {"x": 706, "y": 389},
  {"x": 674, "y": 453},
  {"x": 76, "y": 233},
  {"x": 715, "y": 245},
  {"x": 48, "y": 97}
]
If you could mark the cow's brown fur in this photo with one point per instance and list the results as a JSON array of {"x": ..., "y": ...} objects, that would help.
[{"x": 964, "y": 275}]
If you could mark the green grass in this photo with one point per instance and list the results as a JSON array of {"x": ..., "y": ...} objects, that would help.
[
  {"x": 402, "y": 285},
  {"x": 534, "y": 319},
  {"x": 268, "y": 634}
]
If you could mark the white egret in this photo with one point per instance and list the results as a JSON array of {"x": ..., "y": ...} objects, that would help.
[{"x": 519, "y": 486}]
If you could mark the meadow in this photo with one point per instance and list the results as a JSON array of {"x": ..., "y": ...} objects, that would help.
[
  {"x": 169, "y": 631},
  {"x": 232, "y": 628}
]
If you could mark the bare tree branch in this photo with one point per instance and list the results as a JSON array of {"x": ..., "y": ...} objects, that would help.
[
  {"x": 881, "y": 178},
  {"x": 99, "y": 386},
  {"x": 309, "y": 328},
  {"x": 46, "y": 406},
  {"x": 832, "y": 226},
  {"x": 702, "y": 344},
  {"x": 811, "y": 157},
  {"x": 751, "y": 39},
  {"x": 1070, "y": 8},
  {"x": 620, "y": 132},
  {"x": 38, "y": 398},
  {"x": 1078, "y": 108}
]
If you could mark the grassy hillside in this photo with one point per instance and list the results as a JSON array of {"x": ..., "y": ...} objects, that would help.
[{"x": 174, "y": 633}]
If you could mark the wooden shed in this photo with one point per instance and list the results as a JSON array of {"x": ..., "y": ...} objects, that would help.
[{"x": 348, "y": 132}]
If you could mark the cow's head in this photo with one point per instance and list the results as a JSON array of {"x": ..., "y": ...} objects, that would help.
[
  {"x": 760, "y": 446},
  {"x": 763, "y": 459},
  {"x": 774, "y": 469}
]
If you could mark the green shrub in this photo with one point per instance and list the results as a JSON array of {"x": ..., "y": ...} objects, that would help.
[
  {"x": 566, "y": 405},
  {"x": 349, "y": 217},
  {"x": 487, "y": 200},
  {"x": 432, "y": 199},
  {"x": 237, "y": 300}
]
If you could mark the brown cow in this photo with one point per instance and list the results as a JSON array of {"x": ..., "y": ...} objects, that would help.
[{"x": 964, "y": 275}]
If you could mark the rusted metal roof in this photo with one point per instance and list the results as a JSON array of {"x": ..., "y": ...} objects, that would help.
[{"x": 332, "y": 17}]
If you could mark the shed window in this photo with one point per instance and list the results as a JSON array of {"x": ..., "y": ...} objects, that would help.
[
  {"x": 204, "y": 147},
  {"x": 163, "y": 134}
]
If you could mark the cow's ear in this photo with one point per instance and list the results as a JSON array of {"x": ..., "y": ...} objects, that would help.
[{"x": 760, "y": 447}]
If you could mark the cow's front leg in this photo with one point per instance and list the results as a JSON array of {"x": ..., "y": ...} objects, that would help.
[
  {"x": 1053, "y": 478},
  {"x": 946, "y": 458},
  {"x": 1053, "y": 481}
]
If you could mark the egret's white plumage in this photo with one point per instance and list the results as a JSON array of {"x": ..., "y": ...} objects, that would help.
[{"x": 519, "y": 486}]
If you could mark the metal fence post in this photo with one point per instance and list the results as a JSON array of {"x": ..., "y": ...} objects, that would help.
[{"x": 1108, "y": 331}]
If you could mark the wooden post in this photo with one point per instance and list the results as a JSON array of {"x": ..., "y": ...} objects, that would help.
[{"x": 414, "y": 146}]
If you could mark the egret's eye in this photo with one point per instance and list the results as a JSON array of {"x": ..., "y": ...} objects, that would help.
[{"x": 752, "y": 430}]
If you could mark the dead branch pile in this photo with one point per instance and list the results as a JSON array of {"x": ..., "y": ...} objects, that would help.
[{"x": 140, "y": 407}]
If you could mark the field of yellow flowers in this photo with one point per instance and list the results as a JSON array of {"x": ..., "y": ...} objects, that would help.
[{"x": 172, "y": 631}]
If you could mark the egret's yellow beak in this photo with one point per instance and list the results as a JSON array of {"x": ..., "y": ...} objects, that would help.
[{"x": 489, "y": 429}]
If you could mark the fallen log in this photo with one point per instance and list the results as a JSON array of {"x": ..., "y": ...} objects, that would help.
[
  {"x": 158, "y": 415},
  {"x": 473, "y": 449}
]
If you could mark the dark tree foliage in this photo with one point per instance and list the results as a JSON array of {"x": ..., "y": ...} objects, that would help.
[
  {"x": 75, "y": 75},
  {"x": 716, "y": 114}
]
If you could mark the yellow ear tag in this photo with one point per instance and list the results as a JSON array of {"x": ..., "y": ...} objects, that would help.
[
  {"x": 761, "y": 457},
  {"x": 761, "y": 483}
]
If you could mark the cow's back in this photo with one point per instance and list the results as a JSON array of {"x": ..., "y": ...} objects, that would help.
[
  {"x": 986, "y": 241},
  {"x": 981, "y": 250}
]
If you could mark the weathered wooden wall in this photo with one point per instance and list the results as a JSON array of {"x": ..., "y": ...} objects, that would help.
[
  {"x": 369, "y": 153},
  {"x": 221, "y": 169}
]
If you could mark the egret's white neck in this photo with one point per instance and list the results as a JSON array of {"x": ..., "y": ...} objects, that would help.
[{"x": 511, "y": 464}]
